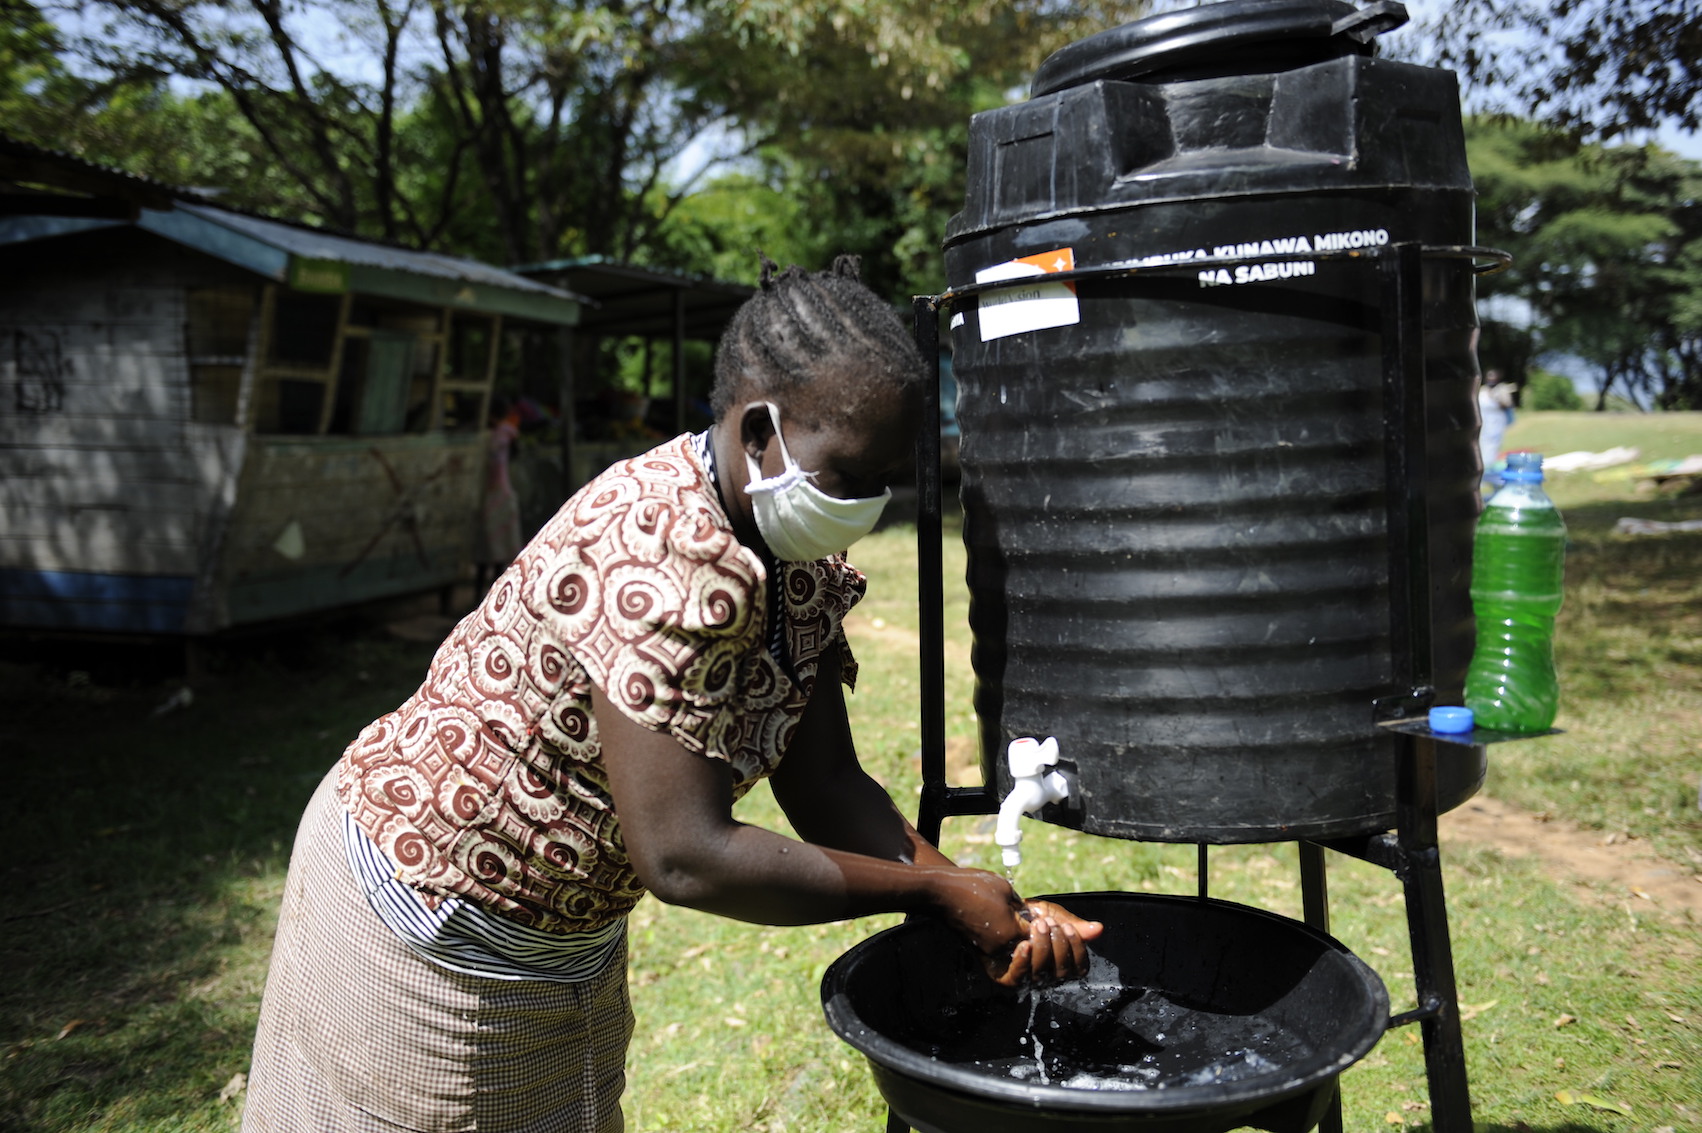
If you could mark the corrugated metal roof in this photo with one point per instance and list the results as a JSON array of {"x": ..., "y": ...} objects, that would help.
[
  {"x": 317, "y": 244},
  {"x": 258, "y": 243},
  {"x": 633, "y": 299},
  {"x": 24, "y": 162}
]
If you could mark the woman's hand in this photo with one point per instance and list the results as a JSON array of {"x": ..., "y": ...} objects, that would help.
[
  {"x": 1038, "y": 941},
  {"x": 1054, "y": 949}
]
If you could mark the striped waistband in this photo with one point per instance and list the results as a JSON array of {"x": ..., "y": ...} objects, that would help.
[{"x": 467, "y": 938}]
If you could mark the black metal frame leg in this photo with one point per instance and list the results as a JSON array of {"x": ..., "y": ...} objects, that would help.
[
  {"x": 1427, "y": 924},
  {"x": 1315, "y": 901}
]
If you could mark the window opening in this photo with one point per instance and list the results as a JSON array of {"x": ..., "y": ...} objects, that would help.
[
  {"x": 304, "y": 330},
  {"x": 218, "y": 326}
]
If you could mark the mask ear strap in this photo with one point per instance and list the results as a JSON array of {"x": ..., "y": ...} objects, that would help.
[{"x": 774, "y": 416}]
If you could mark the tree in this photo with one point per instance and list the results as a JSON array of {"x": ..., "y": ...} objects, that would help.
[
  {"x": 1545, "y": 390},
  {"x": 1601, "y": 68},
  {"x": 1606, "y": 241},
  {"x": 515, "y": 129},
  {"x": 524, "y": 130},
  {"x": 854, "y": 122},
  {"x": 874, "y": 145}
]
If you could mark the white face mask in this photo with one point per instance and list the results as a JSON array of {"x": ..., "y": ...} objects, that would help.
[{"x": 798, "y": 520}]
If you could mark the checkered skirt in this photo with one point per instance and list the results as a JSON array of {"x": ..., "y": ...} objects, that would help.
[{"x": 360, "y": 1035}]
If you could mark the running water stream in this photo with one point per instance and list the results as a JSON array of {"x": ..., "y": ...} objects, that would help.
[{"x": 1032, "y": 1039}]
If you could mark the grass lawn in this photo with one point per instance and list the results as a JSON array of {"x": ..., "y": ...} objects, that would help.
[
  {"x": 1593, "y": 499},
  {"x": 144, "y": 857}
]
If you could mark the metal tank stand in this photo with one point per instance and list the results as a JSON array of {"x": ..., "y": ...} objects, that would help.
[
  {"x": 938, "y": 800},
  {"x": 1412, "y": 854},
  {"x": 1410, "y": 851}
]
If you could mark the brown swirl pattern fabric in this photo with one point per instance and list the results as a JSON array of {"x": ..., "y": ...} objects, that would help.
[{"x": 489, "y": 783}]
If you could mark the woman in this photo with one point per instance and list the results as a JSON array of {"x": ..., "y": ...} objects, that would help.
[
  {"x": 1495, "y": 410},
  {"x": 496, "y": 540},
  {"x": 451, "y": 948}
]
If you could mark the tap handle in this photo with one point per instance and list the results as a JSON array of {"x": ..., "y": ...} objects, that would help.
[{"x": 1028, "y": 758}]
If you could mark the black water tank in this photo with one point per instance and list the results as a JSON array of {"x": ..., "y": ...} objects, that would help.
[{"x": 1173, "y": 484}]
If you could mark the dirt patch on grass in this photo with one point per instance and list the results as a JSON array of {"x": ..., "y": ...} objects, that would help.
[{"x": 1603, "y": 865}]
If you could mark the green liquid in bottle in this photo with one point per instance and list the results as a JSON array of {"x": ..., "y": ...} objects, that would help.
[{"x": 1518, "y": 559}]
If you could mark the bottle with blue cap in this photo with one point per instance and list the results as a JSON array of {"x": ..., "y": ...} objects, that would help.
[{"x": 1518, "y": 561}]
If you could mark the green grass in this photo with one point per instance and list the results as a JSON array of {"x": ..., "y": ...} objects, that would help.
[
  {"x": 1629, "y": 643},
  {"x": 144, "y": 861},
  {"x": 1595, "y": 500},
  {"x": 1656, "y": 436},
  {"x": 144, "y": 857}
]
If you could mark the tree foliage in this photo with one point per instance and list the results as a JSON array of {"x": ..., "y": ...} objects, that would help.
[
  {"x": 525, "y": 130},
  {"x": 1600, "y": 68},
  {"x": 513, "y": 129},
  {"x": 1545, "y": 390},
  {"x": 872, "y": 143},
  {"x": 1607, "y": 246}
]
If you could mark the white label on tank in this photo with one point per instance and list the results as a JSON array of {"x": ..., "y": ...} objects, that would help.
[{"x": 1033, "y": 305}]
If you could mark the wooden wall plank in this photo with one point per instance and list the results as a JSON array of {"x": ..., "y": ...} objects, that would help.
[
  {"x": 96, "y": 431},
  {"x": 112, "y": 471},
  {"x": 100, "y": 541},
  {"x": 21, "y": 495},
  {"x": 77, "y": 365},
  {"x": 97, "y": 471}
]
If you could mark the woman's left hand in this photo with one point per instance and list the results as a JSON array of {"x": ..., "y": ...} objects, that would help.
[{"x": 1054, "y": 949}]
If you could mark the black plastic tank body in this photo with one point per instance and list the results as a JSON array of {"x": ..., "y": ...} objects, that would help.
[{"x": 1174, "y": 506}]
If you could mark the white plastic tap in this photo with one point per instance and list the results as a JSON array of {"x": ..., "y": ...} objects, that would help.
[{"x": 1034, "y": 784}]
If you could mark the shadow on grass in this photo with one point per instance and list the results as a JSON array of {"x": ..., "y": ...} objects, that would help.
[
  {"x": 1597, "y": 519},
  {"x": 1521, "y": 1127},
  {"x": 1633, "y": 612},
  {"x": 143, "y": 854}
]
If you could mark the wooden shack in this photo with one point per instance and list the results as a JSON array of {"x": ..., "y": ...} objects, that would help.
[{"x": 211, "y": 419}]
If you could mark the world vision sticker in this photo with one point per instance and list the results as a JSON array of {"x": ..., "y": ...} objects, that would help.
[{"x": 1033, "y": 304}]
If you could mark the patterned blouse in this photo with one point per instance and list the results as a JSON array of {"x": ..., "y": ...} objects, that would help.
[{"x": 489, "y": 782}]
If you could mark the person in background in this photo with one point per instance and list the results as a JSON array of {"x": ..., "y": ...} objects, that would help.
[
  {"x": 451, "y": 949},
  {"x": 498, "y": 538},
  {"x": 1495, "y": 409}
]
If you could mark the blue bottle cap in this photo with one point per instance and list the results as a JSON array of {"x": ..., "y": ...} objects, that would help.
[
  {"x": 1450, "y": 720},
  {"x": 1523, "y": 468}
]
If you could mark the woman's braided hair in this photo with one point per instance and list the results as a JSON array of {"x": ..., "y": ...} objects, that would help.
[{"x": 802, "y": 327}]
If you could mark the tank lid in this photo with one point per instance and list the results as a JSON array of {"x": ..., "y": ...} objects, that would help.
[{"x": 1212, "y": 40}]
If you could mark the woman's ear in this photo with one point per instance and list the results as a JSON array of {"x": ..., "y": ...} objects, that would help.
[{"x": 756, "y": 428}]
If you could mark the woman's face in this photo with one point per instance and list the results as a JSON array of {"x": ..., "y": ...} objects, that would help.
[{"x": 852, "y": 458}]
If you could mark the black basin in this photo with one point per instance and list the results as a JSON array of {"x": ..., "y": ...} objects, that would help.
[{"x": 1196, "y": 1017}]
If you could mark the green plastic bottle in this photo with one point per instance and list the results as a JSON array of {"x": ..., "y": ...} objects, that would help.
[{"x": 1518, "y": 560}]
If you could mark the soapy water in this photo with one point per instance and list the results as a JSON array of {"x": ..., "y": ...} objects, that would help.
[{"x": 1098, "y": 1038}]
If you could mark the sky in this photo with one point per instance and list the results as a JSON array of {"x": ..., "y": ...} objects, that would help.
[{"x": 1685, "y": 145}]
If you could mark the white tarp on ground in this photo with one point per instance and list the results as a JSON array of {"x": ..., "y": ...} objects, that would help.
[
  {"x": 1631, "y": 525},
  {"x": 1581, "y": 461}
]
